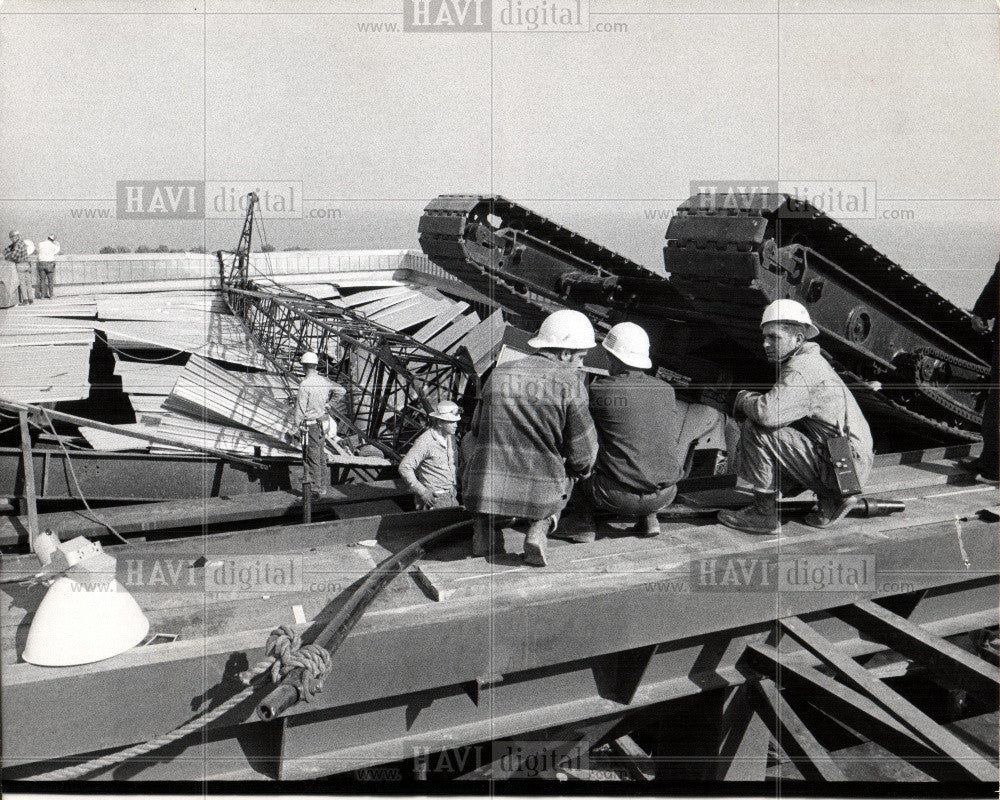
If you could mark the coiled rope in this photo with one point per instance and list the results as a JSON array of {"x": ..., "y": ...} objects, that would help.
[{"x": 284, "y": 652}]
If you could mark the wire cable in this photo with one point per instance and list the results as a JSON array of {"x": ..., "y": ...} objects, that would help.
[{"x": 94, "y": 516}]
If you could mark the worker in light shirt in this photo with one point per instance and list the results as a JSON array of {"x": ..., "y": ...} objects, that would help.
[
  {"x": 312, "y": 415},
  {"x": 430, "y": 468},
  {"x": 47, "y": 252}
]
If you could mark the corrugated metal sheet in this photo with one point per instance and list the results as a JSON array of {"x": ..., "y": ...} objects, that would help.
[
  {"x": 45, "y": 373},
  {"x": 83, "y": 307},
  {"x": 185, "y": 307},
  {"x": 215, "y": 336},
  {"x": 206, "y": 391},
  {"x": 166, "y": 303},
  {"x": 147, "y": 404},
  {"x": 320, "y": 291},
  {"x": 184, "y": 430},
  {"x": 147, "y": 378},
  {"x": 483, "y": 341}
]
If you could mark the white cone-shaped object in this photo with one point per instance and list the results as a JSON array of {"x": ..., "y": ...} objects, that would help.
[{"x": 79, "y": 624}]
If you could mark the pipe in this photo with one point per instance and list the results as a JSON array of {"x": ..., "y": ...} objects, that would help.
[
  {"x": 870, "y": 507},
  {"x": 292, "y": 688}
]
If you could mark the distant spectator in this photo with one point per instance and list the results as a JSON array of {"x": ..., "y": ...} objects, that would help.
[
  {"x": 47, "y": 252},
  {"x": 17, "y": 252}
]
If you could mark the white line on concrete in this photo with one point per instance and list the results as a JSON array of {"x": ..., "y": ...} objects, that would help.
[{"x": 962, "y": 491}]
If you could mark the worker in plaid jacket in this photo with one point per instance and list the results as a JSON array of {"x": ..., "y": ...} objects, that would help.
[{"x": 533, "y": 436}]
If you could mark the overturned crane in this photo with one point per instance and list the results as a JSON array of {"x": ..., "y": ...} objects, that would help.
[
  {"x": 911, "y": 357},
  {"x": 392, "y": 380}
]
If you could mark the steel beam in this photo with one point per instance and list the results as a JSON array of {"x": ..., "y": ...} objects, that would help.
[
  {"x": 373, "y": 709},
  {"x": 117, "y": 477},
  {"x": 792, "y": 735},
  {"x": 743, "y": 751},
  {"x": 972, "y": 763},
  {"x": 173, "y": 515},
  {"x": 950, "y": 664},
  {"x": 28, "y": 465},
  {"x": 858, "y": 712}
]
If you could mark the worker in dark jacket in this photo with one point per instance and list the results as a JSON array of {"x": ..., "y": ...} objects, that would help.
[
  {"x": 783, "y": 439},
  {"x": 635, "y": 415},
  {"x": 17, "y": 252},
  {"x": 532, "y": 436},
  {"x": 987, "y": 310}
]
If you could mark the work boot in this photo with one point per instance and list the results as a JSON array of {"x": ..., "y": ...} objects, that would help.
[
  {"x": 485, "y": 541},
  {"x": 985, "y": 468},
  {"x": 761, "y": 517},
  {"x": 830, "y": 509},
  {"x": 579, "y": 528},
  {"x": 534, "y": 542},
  {"x": 649, "y": 526}
]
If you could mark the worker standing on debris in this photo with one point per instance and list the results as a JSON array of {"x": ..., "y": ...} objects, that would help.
[
  {"x": 788, "y": 431},
  {"x": 430, "y": 468},
  {"x": 635, "y": 415},
  {"x": 987, "y": 310},
  {"x": 533, "y": 435},
  {"x": 312, "y": 416},
  {"x": 47, "y": 251},
  {"x": 17, "y": 251}
]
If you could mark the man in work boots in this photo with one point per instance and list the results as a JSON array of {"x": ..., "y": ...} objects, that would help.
[
  {"x": 635, "y": 415},
  {"x": 311, "y": 415},
  {"x": 533, "y": 436},
  {"x": 783, "y": 439},
  {"x": 430, "y": 468}
]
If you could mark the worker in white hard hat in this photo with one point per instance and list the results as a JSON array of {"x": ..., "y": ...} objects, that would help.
[
  {"x": 312, "y": 416},
  {"x": 430, "y": 467},
  {"x": 47, "y": 252},
  {"x": 784, "y": 437},
  {"x": 635, "y": 415},
  {"x": 17, "y": 252},
  {"x": 532, "y": 436}
]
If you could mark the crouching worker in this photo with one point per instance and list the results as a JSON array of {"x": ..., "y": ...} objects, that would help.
[
  {"x": 637, "y": 466},
  {"x": 783, "y": 441},
  {"x": 430, "y": 468},
  {"x": 532, "y": 436},
  {"x": 312, "y": 417}
]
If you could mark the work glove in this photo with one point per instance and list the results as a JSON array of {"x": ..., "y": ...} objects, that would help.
[{"x": 427, "y": 496}]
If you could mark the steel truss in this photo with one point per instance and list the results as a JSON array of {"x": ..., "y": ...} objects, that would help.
[{"x": 392, "y": 380}]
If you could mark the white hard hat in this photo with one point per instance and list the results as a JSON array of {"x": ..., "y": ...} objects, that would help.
[
  {"x": 790, "y": 311},
  {"x": 52, "y": 237},
  {"x": 447, "y": 411},
  {"x": 566, "y": 329},
  {"x": 14, "y": 234},
  {"x": 309, "y": 358},
  {"x": 629, "y": 343}
]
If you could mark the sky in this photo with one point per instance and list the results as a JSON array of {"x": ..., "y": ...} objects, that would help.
[{"x": 603, "y": 131}]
